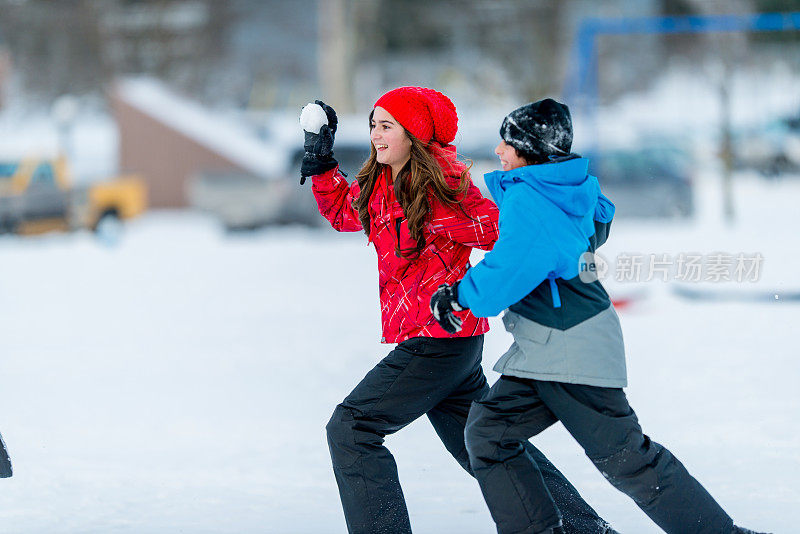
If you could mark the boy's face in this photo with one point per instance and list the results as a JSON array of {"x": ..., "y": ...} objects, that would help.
[{"x": 508, "y": 156}]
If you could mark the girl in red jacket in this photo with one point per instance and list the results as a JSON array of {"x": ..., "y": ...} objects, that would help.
[{"x": 419, "y": 208}]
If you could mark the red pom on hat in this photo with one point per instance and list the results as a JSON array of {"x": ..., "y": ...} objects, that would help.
[{"x": 426, "y": 113}]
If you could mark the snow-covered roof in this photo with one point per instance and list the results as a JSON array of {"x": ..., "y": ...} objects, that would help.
[{"x": 216, "y": 132}]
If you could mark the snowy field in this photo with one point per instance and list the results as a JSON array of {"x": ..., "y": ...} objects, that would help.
[{"x": 181, "y": 381}]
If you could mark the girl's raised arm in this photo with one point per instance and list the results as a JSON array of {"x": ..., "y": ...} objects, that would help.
[{"x": 335, "y": 200}]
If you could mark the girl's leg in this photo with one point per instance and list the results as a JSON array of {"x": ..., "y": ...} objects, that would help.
[
  {"x": 602, "y": 421},
  {"x": 404, "y": 385},
  {"x": 449, "y": 419}
]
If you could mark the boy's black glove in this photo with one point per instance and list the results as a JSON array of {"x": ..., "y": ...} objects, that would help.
[
  {"x": 318, "y": 146},
  {"x": 443, "y": 303}
]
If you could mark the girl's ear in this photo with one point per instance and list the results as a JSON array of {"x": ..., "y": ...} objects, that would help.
[{"x": 369, "y": 122}]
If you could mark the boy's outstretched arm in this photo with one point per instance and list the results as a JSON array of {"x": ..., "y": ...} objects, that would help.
[
  {"x": 521, "y": 259},
  {"x": 603, "y": 215}
]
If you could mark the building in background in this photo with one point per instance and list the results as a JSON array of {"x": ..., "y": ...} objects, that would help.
[
  {"x": 169, "y": 140},
  {"x": 191, "y": 156}
]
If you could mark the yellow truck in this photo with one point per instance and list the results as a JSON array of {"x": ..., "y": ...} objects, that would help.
[{"x": 36, "y": 196}]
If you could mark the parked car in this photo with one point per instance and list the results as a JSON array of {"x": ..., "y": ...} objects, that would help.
[
  {"x": 772, "y": 149},
  {"x": 244, "y": 202},
  {"x": 654, "y": 181},
  {"x": 36, "y": 195},
  {"x": 240, "y": 201},
  {"x": 646, "y": 181}
]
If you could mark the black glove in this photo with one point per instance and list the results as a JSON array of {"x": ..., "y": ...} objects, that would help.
[
  {"x": 318, "y": 156},
  {"x": 443, "y": 303}
]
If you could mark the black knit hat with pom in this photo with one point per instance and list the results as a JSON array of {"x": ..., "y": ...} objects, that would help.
[{"x": 539, "y": 130}]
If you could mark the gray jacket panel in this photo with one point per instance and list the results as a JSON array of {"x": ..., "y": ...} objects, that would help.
[{"x": 591, "y": 352}]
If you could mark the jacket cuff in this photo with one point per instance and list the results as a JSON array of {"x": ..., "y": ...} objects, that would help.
[
  {"x": 325, "y": 175},
  {"x": 458, "y": 296},
  {"x": 314, "y": 166}
]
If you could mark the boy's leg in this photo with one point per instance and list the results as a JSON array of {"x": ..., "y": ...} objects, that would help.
[
  {"x": 449, "y": 419},
  {"x": 512, "y": 483},
  {"x": 604, "y": 424},
  {"x": 402, "y": 387}
]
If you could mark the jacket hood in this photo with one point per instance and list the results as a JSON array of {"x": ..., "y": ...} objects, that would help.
[
  {"x": 565, "y": 183},
  {"x": 447, "y": 158}
]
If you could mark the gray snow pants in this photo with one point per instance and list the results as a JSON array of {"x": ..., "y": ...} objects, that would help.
[
  {"x": 603, "y": 423},
  {"x": 422, "y": 376}
]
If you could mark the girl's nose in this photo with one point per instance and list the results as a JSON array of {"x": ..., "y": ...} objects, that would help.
[{"x": 497, "y": 150}]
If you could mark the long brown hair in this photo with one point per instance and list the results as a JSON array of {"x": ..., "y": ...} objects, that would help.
[{"x": 420, "y": 175}]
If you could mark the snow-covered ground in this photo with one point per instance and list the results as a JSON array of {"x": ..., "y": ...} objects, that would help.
[{"x": 181, "y": 381}]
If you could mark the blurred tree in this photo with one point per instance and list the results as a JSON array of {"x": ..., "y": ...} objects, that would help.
[
  {"x": 252, "y": 53},
  {"x": 684, "y": 45},
  {"x": 335, "y": 53},
  {"x": 5, "y": 70},
  {"x": 500, "y": 48},
  {"x": 180, "y": 41},
  {"x": 54, "y": 46},
  {"x": 227, "y": 53}
]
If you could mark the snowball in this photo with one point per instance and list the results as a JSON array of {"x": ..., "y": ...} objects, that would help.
[{"x": 312, "y": 118}]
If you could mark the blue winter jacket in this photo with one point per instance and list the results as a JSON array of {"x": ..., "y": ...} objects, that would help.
[{"x": 548, "y": 216}]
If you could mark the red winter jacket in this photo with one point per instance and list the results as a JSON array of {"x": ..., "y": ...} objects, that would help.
[{"x": 406, "y": 285}]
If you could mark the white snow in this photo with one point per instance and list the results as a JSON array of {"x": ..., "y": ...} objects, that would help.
[
  {"x": 313, "y": 117},
  {"x": 181, "y": 382}
]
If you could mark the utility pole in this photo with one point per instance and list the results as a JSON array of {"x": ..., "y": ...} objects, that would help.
[
  {"x": 726, "y": 144},
  {"x": 5, "y": 73},
  {"x": 335, "y": 54}
]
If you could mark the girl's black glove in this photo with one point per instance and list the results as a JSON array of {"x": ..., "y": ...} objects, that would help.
[
  {"x": 319, "y": 123},
  {"x": 443, "y": 305}
]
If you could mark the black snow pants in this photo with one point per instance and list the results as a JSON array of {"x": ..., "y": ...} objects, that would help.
[
  {"x": 603, "y": 423},
  {"x": 436, "y": 377},
  {"x": 5, "y": 462}
]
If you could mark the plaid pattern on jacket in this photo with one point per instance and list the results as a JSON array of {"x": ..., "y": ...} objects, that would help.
[{"x": 406, "y": 284}]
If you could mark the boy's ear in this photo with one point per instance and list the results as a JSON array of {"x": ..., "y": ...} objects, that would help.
[{"x": 523, "y": 156}]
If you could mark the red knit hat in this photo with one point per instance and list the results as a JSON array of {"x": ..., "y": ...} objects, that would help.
[{"x": 426, "y": 113}]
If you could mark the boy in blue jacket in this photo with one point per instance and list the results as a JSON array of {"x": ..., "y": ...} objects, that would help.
[{"x": 567, "y": 362}]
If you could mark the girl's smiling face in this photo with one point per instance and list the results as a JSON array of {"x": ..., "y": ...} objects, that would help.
[
  {"x": 509, "y": 159},
  {"x": 391, "y": 143}
]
